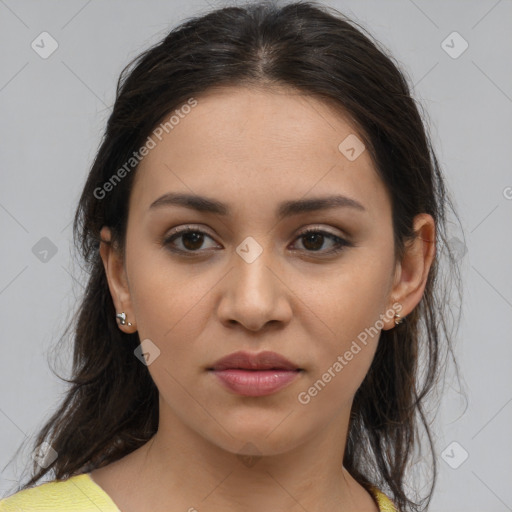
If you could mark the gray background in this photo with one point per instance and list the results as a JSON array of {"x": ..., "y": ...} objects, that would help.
[{"x": 53, "y": 114}]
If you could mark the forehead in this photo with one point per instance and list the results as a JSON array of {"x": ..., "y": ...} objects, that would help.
[{"x": 240, "y": 143}]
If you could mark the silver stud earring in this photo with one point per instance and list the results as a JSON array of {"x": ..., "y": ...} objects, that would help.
[
  {"x": 398, "y": 319},
  {"x": 122, "y": 319}
]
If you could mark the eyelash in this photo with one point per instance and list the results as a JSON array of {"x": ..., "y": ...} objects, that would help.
[{"x": 340, "y": 246}]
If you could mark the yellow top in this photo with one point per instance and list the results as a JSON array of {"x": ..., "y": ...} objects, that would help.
[{"x": 81, "y": 493}]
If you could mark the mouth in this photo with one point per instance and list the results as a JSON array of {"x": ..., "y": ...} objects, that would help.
[{"x": 254, "y": 375}]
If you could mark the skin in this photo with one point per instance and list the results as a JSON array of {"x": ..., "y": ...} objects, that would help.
[{"x": 252, "y": 149}]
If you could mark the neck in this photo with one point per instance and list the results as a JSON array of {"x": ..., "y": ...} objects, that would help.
[{"x": 178, "y": 466}]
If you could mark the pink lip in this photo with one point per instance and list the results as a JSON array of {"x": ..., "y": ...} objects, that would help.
[
  {"x": 255, "y": 374},
  {"x": 256, "y": 382}
]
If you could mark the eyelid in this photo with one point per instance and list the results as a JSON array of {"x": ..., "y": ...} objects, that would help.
[
  {"x": 186, "y": 227},
  {"x": 320, "y": 227}
]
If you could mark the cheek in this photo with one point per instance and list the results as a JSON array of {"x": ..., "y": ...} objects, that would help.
[
  {"x": 352, "y": 298},
  {"x": 167, "y": 301},
  {"x": 346, "y": 328},
  {"x": 341, "y": 358}
]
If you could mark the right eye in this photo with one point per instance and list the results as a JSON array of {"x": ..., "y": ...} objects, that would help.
[{"x": 192, "y": 240}]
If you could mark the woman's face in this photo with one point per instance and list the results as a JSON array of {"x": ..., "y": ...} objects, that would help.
[{"x": 247, "y": 280}]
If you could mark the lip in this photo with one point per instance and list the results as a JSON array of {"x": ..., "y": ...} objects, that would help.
[
  {"x": 258, "y": 374},
  {"x": 242, "y": 360}
]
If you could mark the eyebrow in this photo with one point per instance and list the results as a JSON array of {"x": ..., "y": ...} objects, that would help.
[{"x": 285, "y": 209}]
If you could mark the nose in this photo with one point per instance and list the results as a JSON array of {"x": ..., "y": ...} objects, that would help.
[{"x": 255, "y": 293}]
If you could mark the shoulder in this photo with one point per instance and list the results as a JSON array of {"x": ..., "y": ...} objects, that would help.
[
  {"x": 76, "y": 494},
  {"x": 383, "y": 502}
]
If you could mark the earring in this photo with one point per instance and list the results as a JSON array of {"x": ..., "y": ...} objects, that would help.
[
  {"x": 122, "y": 319},
  {"x": 398, "y": 319}
]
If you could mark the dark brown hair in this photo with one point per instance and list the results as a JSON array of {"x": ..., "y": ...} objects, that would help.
[{"x": 111, "y": 407}]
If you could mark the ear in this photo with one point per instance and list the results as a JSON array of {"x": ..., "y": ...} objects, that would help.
[
  {"x": 412, "y": 271},
  {"x": 117, "y": 279}
]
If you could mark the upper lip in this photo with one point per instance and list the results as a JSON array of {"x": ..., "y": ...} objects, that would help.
[{"x": 249, "y": 361}]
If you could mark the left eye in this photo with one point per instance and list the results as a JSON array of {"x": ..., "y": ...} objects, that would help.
[{"x": 312, "y": 240}]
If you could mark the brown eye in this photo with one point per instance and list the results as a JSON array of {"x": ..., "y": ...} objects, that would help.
[
  {"x": 314, "y": 239},
  {"x": 192, "y": 240},
  {"x": 187, "y": 240}
]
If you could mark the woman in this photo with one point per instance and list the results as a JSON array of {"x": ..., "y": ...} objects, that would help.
[{"x": 260, "y": 224}]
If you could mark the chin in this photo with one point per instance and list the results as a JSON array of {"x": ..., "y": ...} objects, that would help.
[{"x": 259, "y": 437}]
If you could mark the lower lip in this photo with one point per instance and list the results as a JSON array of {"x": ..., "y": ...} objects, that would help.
[{"x": 256, "y": 382}]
